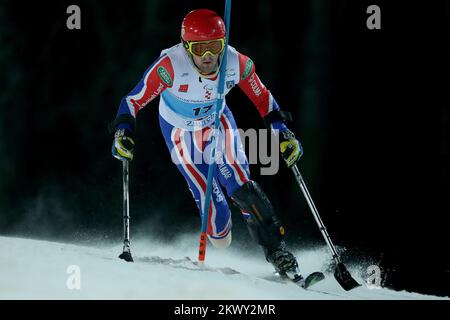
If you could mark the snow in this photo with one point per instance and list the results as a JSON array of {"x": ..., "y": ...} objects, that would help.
[{"x": 36, "y": 269}]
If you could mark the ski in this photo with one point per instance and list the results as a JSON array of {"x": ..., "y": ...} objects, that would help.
[
  {"x": 307, "y": 282},
  {"x": 187, "y": 263}
]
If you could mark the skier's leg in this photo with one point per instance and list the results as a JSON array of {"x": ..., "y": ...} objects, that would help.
[
  {"x": 220, "y": 218},
  {"x": 219, "y": 224},
  {"x": 232, "y": 164},
  {"x": 181, "y": 144},
  {"x": 262, "y": 222},
  {"x": 264, "y": 226}
]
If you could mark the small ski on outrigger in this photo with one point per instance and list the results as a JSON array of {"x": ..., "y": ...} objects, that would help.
[{"x": 304, "y": 282}]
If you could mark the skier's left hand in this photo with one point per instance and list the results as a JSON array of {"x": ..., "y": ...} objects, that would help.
[{"x": 290, "y": 148}]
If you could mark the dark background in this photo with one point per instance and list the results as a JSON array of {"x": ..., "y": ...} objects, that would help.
[{"x": 370, "y": 108}]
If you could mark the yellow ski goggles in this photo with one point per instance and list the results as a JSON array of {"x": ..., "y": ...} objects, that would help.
[{"x": 201, "y": 48}]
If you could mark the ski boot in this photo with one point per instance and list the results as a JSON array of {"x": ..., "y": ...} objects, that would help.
[
  {"x": 267, "y": 231},
  {"x": 284, "y": 262}
]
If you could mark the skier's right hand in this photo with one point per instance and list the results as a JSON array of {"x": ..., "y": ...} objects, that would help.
[
  {"x": 123, "y": 145},
  {"x": 290, "y": 148}
]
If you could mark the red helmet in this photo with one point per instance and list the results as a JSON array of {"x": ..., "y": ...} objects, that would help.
[{"x": 202, "y": 25}]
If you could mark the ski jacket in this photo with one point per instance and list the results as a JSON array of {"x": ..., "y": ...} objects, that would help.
[{"x": 188, "y": 100}]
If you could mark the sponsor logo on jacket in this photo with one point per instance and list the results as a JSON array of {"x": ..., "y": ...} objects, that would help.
[
  {"x": 254, "y": 85},
  {"x": 153, "y": 95},
  {"x": 248, "y": 69},
  {"x": 164, "y": 76}
]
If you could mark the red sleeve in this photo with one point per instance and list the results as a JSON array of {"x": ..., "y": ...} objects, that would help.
[
  {"x": 155, "y": 80},
  {"x": 251, "y": 85}
]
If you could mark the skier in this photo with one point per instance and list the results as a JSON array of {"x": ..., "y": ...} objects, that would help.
[{"x": 185, "y": 77}]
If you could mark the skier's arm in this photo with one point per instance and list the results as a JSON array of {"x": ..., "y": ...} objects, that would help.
[
  {"x": 274, "y": 117},
  {"x": 260, "y": 96},
  {"x": 155, "y": 80}
]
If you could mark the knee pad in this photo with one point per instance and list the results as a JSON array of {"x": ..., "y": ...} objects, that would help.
[
  {"x": 221, "y": 243},
  {"x": 262, "y": 222}
]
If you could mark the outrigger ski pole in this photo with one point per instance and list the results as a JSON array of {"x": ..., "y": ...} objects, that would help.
[
  {"x": 126, "y": 254},
  {"x": 343, "y": 277}
]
